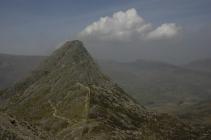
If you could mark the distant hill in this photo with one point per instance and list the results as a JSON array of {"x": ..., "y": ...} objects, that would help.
[
  {"x": 154, "y": 83},
  {"x": 16, "y": 67},
  {"x": 203, "y": 65}
]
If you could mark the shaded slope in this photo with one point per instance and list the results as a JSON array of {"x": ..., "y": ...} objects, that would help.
[{"x": 70, "y": 98}]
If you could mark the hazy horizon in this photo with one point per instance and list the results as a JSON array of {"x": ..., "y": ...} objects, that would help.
[{"x": 170, "y": 31}]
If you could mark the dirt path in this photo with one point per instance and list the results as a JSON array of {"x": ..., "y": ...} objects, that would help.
[
  {"x": 55, "y": 113},
  {"x": 83, "y": 122}
]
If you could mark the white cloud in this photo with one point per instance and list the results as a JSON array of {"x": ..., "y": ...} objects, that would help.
[
  {"x": 164, "y": 31},
  {"x": 126, "y": 26}
]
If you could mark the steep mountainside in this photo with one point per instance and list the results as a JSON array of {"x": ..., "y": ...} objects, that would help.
[
  {"x": 12, "y": 129},
  {"x": 69, "y": 98},
  {"x": 15, "y": 67}
]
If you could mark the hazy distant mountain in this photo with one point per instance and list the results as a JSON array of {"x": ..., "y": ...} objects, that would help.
[
  {"x": 16, "y": 67},
  {"x": 203, "y": 65},
  {"x": 68, "y": 97},
  {"x": 165, "y": 87},
  {"x": 154, "y": 83}
]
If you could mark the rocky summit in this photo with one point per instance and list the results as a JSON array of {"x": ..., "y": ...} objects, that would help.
[{"x": 69, "y": 98}]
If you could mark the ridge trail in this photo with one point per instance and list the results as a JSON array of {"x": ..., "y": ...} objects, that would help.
[{"x": 57, "y": 116}]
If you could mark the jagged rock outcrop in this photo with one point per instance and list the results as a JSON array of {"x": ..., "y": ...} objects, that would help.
[{"x": 70, "y": 99}]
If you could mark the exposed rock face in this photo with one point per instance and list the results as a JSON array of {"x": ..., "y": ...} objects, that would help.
[
  {"x": 12, "y": 129},
  {"x": 69, "y": 98}
]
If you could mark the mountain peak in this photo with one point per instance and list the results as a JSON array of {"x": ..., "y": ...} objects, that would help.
[
  {"x": 74, "y": 45},
  {"x": 76, "y": 42},
  {"x": 72, "y": 50},
  {"x": 70, "y": 98},
  {"x": 72, "y": 61}
]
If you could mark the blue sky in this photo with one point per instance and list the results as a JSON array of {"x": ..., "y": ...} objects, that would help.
[
  {"x": 34, "y": 26},
  {"x": 14, "y": 13}
]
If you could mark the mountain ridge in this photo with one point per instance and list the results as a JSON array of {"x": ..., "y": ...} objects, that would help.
[
  {"x": 69, "y": 69},
  {"x": 143, "y": 73},
  {"x": 70, "y": 98},
  {"x": 201, "y": 65}
]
